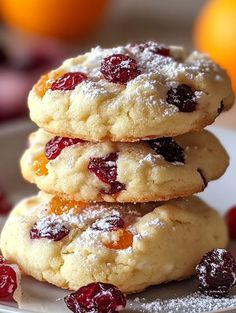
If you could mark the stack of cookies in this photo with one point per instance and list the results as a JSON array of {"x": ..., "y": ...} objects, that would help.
[{"x": 119, "y": 154}]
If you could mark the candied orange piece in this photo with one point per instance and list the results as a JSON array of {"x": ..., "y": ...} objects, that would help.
[
  {"x": 45, "y": 83},
  {"x": 59, "y": 205},
  {"x": 125, "y": 241},
  {"x": 39, "y": 165}
]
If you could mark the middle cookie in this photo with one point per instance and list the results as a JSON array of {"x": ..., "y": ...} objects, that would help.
[{"x": 153, "y": 170}]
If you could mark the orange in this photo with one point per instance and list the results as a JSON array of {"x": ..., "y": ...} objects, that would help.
[
  {"x": 62, "y": 19},
  {"x": 215, "y": 33},
  {"x": 59, "y": 205}
]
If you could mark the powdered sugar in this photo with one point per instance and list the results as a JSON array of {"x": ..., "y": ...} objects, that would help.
[{"x": 193, "y": 303}]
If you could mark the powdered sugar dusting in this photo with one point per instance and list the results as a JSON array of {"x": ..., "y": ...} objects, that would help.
[{"x": 194, "y": 303}]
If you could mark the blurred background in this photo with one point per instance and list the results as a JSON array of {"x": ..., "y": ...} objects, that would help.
[{"x": 36, "y": 35}]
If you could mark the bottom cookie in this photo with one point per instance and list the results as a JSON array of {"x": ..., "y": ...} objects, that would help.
[{"x": 70, "y": 244}]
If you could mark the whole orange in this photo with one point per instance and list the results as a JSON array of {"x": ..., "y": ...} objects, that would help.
[
  {"x": 65, "y": 19},
  {"x": 215, "y": 33}
]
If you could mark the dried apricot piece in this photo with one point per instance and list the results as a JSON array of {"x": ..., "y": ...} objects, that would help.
[
  {"x": 59, "y": 205},
  {"x": 125, "y": 241},
  {"x": 39, "y": 164}
]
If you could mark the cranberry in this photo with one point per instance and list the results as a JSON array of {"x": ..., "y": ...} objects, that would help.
[
  {"x": 183, "y": 97},
  {"x": 168, "y": 148},
  {"x": 55, "y": 230},
  {"x": 110, "y": 223},
  {"x": 221, "y": 108},
  {"x": 154, "y": 48},
  {"x": 216, "y": 273},
  {"x": 205, "y": 182},
  {"x": 54, "y": 146},
  {"x": 5, "y": 206},
  {"x": 8, "y": 281},
  {"x": 68, "y": 81},
  {"x": 105, "y": 169},
  {"x": 231, "y": 221},
  {"x": 96, "y": 298},
  {"x": 119, "y": 68}
]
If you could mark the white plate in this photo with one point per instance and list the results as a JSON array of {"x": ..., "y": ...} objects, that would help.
[{"x": 173, "y": 297}]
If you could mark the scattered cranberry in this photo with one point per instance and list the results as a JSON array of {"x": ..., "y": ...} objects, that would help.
[
  {"x": 168, "y": 148},
  {"x": 54, "y": 230},
  {"x": 96, "y": 298},
  {"x": 68, "y": 81},
  {"x": 205, "y": 182},
  {"x": 119, "y": 69},
  {"x": 183, "y": 97},
  {"x": 8, "y": 281},
  {"x": 110, "y": 223},
  {"x": 106, "y": 170},
  {"x": 221, "y": 108},
  {"x": 5, "y": 206},
  {"x": 216, "y": 273},
  {"x": 231, "y": 221},
  {"x": 154, "y": 48},
  {"x": 54, "y": 146}
]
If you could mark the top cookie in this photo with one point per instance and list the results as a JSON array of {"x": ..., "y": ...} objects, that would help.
[{"x": 131, "y": 93}]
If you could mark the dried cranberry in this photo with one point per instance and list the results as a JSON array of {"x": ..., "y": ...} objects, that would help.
[
  {"x": 54, "y": 146},
  {"x": 183, "y": 97},
  {"x": 96, "y": 298},
  {"x": 55, "y": 230},
  {"x": 205, "y": 182},
  {"x": 154, "y": 48},
  {"x": 119, "y": 68},
  {"x": 5, "y": 206},
  {"x": 221, "y": 108},
  {"x": 68, "y": 81},
  {"x": 105, "y": 169},
  {"x": 168, "y": 148},
  {"x": 231, "y": 221},
  {"x": 110, "y": 223},
  {"x": 216, "y": 273},
  {"x": 8, "y": 281}
]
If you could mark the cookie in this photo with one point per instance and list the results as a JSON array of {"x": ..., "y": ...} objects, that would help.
[
  {"x": 151, "y": 170},
  {"x": 131, "y": 246},
  {"x": 130, "y": 93}
]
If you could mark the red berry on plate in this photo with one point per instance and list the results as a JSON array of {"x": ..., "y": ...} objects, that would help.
[
  {"x": 183, "y": 97},
  {"x": 216, "y": 273},
  {"x": 105, "y": 169},
  {"x": 69, "y": 81},
  {"x": 119, "y": 68},
  {"x": 231, "y": 221},
  {"x": 5, "y": 206},
  {"x": 96, "y": 298},
  {"x": 8, "y": 281},
  {"x": 54, "y": 146},
  {"x": 55, "y": 230}
]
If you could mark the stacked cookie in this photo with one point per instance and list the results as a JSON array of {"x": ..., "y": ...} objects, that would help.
[{"x": 118, "y": 158}]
